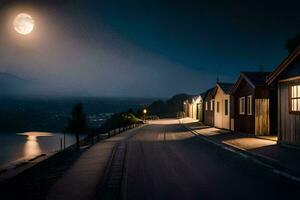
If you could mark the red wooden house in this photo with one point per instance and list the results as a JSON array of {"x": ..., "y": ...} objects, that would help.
[{"x": 253, "y": 101}]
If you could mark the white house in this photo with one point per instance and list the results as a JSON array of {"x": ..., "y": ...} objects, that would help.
[
  {"x": 193, "y": 107},
  {"x": 197, "y": 108},
  {"x": 222, "y": 106}
]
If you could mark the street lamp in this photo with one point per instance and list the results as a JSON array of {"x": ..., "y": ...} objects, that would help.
[{"x": 145, "y": 112}]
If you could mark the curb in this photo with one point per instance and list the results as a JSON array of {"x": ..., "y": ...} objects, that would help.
[{"x": 267, "y": 162}]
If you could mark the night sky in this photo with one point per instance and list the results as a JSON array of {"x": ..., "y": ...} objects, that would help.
[{"x": 153, "y": 48}]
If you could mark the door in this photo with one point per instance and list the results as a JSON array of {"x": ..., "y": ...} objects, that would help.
[{"x": 262, "y": 123}]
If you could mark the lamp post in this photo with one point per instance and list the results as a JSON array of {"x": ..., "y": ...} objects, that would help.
[{"x": 145, "y": 112}]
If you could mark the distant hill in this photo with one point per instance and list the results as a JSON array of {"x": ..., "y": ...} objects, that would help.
[
  {"x": 13, "y": 85},
  {"x": 169, "y": 107}
]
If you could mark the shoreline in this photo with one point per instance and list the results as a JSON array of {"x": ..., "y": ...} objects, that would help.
[
  {"x": 12, "y": 169},
  {"x": 31, "y": 145},
  {"x": 33, "y": 180},
  {"x": 18, "y": 166}
]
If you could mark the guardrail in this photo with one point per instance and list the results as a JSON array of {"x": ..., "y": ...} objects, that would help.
[{"x": 94, "y": 138}]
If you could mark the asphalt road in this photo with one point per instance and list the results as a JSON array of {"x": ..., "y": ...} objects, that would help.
[{"x": 165, "y": 161}]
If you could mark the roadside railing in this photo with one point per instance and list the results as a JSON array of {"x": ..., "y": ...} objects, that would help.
[{"x": 95, "y": 137}]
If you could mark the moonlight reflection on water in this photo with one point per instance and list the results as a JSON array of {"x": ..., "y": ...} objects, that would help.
[
  {"x": 32, "y": 147},
  {"x": 16, "y": 147}
]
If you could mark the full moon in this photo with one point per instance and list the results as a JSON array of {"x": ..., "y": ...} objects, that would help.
[{"x": 23, "y": 23}]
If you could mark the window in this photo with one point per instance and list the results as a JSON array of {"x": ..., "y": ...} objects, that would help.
[
  {"x": 242, "y": 105},
  {"x": 226, "y": 107},
  {"x": 218, "y": 106},
  {"x": 206, "y": 105},
  {"x": 249, "y": 105},
  {"x": 212, "y": 105},
  {"x": 295, "y": 98}
]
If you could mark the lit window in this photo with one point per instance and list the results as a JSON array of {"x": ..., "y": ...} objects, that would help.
[
  {"x": 212, "y": 105},
  {"x": 218, "y": 106},
  {"x": 295, "y": 98},
  {"x": 249, "y": 105},
  {"x": 206, "y": 105},
  {"x": 242, "y": 105},
  {"x": 226, "y": 107}
]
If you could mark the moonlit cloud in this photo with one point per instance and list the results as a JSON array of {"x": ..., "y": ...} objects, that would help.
[
  {"x": 133, "y": 48},
  {"x": 93, "y": 63}
]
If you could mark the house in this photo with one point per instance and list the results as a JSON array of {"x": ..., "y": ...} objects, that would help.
[
  {"x": 193, "y": 107},
  {"x": 222, "y": 114},
  {"x": 209, "y": 107},
  {"x": 201, "y": 107},
  {"x": 194, "y": 104},
  {"x": 198, "y": 107},
  {"x": 286, "y": 78},
  {"x": 188, "y": 107},
  {"x": 254, "y": 103}
]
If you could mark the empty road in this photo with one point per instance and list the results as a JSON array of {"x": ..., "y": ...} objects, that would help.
[
  {"x": 160, "y": 160},
  {"x": 165, "y": 161}
]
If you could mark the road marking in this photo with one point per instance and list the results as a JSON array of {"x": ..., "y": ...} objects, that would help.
[
  {"x": 287, "y": 175},
  {"x": 234, "y": 151}
]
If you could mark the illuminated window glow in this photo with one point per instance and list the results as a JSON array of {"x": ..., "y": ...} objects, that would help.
[
  {"x": 226, "y": 107},
  {"x": 212, "y": 105},
  {"x": 242, "y": 105},
  {"x": 295, "y": 98},
  {"x": 249, "y": 105}
]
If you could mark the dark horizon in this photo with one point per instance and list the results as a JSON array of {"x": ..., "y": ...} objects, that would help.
[{"x": 144, "y": 48}]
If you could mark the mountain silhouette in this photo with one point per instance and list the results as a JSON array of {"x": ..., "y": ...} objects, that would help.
[{"x": 11, "y": 85}]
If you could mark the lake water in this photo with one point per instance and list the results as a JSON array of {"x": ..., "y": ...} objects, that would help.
[
  {"x": 27, "y": 145},
  {"x": 21, "y": 115}
]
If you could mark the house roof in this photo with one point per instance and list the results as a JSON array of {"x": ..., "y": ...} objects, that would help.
[
  {"x": 190, "y": 98},
  {"x": 286, "y": 63},
  {"x": 226, "y": 87},
  {"x": 197, "y": 99},
  {"x": 210, "y": 91},
  {"x": 203, "y": 94},
  {"x": 254, "y": 79}
]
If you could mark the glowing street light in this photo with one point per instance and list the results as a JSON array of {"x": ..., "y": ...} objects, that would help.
[{"x": 145, "y": 112}]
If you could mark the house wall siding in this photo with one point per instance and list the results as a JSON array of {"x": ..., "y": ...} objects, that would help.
[
  {"x": 194, "y": 110},
  {"x": 288, "y": 123},
  {"x": 208, "y": 114},
  {"x": 190, "y": 108},
  {"x": 220, "y": 119},
  {"x": 262, "y": 119},
  {"x": 200, "y": 111},
  {"x": 243, "y": 122}
]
